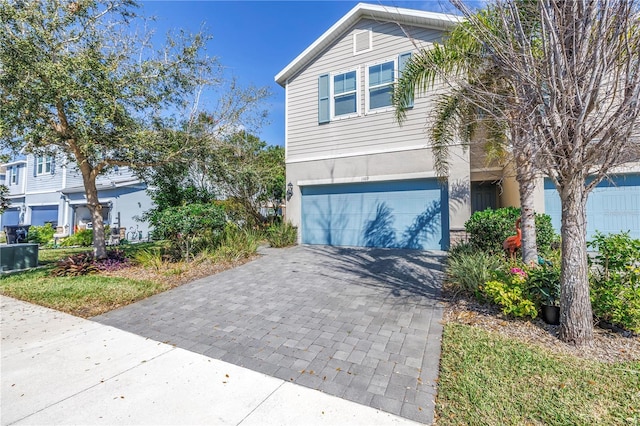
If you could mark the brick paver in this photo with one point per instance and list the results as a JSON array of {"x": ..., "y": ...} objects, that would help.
[{"x": 360, "y": 324}]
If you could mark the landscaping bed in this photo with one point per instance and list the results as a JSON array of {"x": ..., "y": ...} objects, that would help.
[{"x": 608, "y": 346}]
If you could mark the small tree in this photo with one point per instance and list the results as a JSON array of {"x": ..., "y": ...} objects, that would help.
[{"x": 577, "y": 88}]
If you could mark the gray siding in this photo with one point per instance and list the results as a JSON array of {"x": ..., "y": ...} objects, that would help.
[
  {"x": 45, "y": 182},
  {"x": 74, "y": 178},
  {"x": 19, "y": 187},
  {"x": 120, "y": 175},
  {"x": 370, "y": 132}
]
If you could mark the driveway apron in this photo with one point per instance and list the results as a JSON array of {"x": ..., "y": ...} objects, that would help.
[{"x": 360, "y": 324}]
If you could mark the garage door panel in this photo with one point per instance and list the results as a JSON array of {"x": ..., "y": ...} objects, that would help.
[
  {"x": 381, "y": 214},
  {"x": 10, "y": 217},
  {"x": 43, "y": 214}
]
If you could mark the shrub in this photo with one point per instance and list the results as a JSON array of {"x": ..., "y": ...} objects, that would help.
[
  {"x": 237, "y": 244},
  {"x": 615, "y": 280},
  {"x": 115, "y": 260},
  {"x": 510, "y": 294},
  {"x": 149, "y": 258},
  {"x": 41, "y": 234},
  {"x": 76, "y": 265},
  {"x": 488, "y": 229},
  {"x": 84, "y": 264},
  {"x": 191, "y": 227},
  {"x": 282, "y": 234},
  {"x": 468, "y": 272},
  {"x": 544, "y": 284},
  {"x": 462, "y": 249},
  {"x": 82, "y": 238}
]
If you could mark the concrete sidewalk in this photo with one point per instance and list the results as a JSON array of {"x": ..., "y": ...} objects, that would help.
[{"x": 60, "y": 369}]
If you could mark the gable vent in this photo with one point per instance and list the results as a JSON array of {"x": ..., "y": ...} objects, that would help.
[{"x": 362, "y": 42}]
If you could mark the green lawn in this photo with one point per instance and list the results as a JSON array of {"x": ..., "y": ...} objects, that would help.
[
  {"x": 83, "y": 296},
  {"x": 51, "y": 256},
  {"x": 486, "y": 379}
]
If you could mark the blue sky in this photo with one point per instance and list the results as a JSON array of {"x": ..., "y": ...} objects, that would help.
[{"x": 255, "y": 40}]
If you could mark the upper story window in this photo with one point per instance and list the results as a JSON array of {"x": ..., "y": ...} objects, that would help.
[
  {"x": 338, "y": 93},
  {"x": 44, "y": 165},
  {"x": 13, "y": 175},
  {"x": 345, "y": 94},
  {"x": 380, "y": 78},
  {"x": 380, "y": 84}
]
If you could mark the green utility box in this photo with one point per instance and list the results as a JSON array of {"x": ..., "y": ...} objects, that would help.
[{"x": 18, "y": 256}]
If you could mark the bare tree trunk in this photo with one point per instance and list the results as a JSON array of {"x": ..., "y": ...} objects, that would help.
[
  {"x": 576, "y": 317},
  {"x": 93, "y": 203},
  {"x": 527, "y": 183}
]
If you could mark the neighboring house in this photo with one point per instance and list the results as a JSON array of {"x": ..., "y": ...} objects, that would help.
[
  {"x": 48, "y": 189},
  {"x": 360, "y": 179}
]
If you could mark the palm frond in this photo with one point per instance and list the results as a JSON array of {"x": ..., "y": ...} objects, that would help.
[{"x": 457, "y": 54}]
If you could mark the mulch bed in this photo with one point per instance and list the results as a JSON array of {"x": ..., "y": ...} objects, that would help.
[{"x": 608, "y": 345}]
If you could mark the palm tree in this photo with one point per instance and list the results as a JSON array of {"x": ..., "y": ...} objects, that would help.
[{"x": 479, "y": 100}]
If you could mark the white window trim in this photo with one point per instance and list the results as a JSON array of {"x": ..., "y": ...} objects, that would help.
[
  {"x": 13, "y": 175},
  {"x": 46, "y": 159},
  {"x": 332, "y": 106},
  {"x": 367, "y": 101},
  {"x": 355, "y": 34}
]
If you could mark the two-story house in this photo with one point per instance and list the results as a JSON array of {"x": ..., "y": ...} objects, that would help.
[
  {"x": 358, "y": 178},
  {"x": 49, "y": 189}
]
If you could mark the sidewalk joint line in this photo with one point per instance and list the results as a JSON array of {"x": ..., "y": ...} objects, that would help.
[{"x": 261, "y": 402}]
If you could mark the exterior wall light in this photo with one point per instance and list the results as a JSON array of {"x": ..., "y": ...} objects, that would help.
[{"x": 289, "y": 191}]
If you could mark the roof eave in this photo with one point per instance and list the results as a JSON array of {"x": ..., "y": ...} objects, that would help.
[{"x": 363, "y": 10}]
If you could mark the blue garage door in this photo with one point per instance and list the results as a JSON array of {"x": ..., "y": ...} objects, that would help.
[
  {"x": 406, "y": 214},
  {"x": 612, "y": 207},
  {"x": 10, "y": 217},
  {"x": 43, "y": 214}
]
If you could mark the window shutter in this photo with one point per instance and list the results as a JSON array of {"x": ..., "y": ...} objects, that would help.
[
  {"x": 402, "y": 63},
  {"x": 35, "y": 166},
  {"x": 53, "y": 165},
  {"x": 324, "y": 115}
]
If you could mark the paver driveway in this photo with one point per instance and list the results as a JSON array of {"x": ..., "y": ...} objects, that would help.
[{"x": 361, "y": 324}]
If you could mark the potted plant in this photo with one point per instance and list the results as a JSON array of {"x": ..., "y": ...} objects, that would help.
[
  {"x": 544, "y": 283},
  {"x": 550, "y": 306}
]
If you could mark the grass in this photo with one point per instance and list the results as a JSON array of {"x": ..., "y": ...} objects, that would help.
[
  {"x": 50, "y": 256},
  {"x": 90, "y": 295},
  {"x": 83, "y": 296},
  {"x": 486, "y": 379}
]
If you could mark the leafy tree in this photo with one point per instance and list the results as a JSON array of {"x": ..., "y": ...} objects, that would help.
[
  {"x": 577, "y": 89},
  {"x": 471, "y": 112},
  {"x": 5, "y": 202},
  {"x": 247, "y": 171},
  {"x": 78, "y": 80},
  {"x": 239, "y": 169},
  {"x": 176, "y": 184}
]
